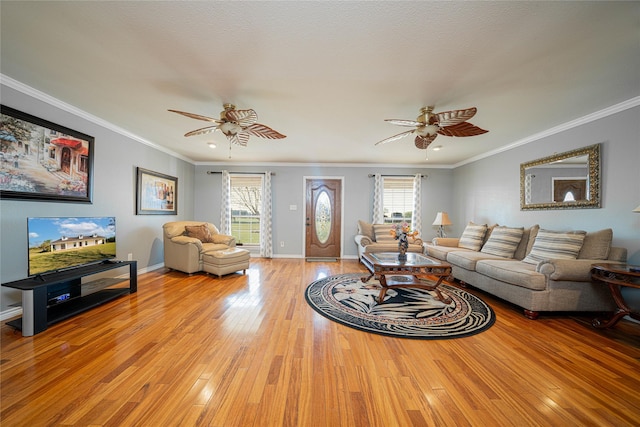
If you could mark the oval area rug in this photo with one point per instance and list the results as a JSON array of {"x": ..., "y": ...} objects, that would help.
[{"x": 405, "y": 312}]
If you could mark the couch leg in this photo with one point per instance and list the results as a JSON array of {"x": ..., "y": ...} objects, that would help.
[
  {"x": 533, "y": 315},
  {"x": 462, "y": 284}
]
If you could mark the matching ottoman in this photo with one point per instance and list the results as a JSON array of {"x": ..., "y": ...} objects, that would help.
[{"x": 225, "y": 261}]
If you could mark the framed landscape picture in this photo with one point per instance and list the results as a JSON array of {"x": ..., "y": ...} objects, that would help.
[
  {"x": 40, "y": 160},
  {"x": 157, "y": 193}
]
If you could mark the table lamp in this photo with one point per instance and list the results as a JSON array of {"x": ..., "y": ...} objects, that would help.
[{"x": 442, "y": 219}]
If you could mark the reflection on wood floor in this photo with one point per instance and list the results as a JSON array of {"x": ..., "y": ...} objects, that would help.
[{"x": 247, "y": 350}]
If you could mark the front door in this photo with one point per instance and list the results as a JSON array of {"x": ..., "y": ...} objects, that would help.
[{"x": 323, "y": 218}]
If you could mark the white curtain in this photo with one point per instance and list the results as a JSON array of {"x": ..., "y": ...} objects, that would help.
[
  {"x": 416, "y": 219},
  {"x": 225, "y": 206},
  {"x": 378, "y": 199},
  {"x": 266, "y": 245}
]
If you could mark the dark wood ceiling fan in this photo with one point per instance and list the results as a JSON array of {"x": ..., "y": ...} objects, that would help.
[{"x": 429, "y": 125}]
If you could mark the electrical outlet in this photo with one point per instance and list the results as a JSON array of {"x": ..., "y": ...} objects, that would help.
[
  {"x": 282, "y": 244},
  {"x": 130, "y": 257}
]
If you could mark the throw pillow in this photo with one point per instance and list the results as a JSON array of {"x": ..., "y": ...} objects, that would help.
[
  {"x": 528, "y": 236},
  {"x": 555, "y": 245},
  {"x": 382, "y": 233},
  {"x": 200, "y": 232},
  {"x": 596, "y": 245},
  {"x": 503, "y": 241},
  {"x": 366, "y": 229},
  {"x": 472, "y": 236}
]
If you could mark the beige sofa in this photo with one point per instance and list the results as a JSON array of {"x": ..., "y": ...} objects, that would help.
[
  {"x": 543, "y": 274},
  {"x": 376, "y": 238},
  {"x": 185, "y": 242}
]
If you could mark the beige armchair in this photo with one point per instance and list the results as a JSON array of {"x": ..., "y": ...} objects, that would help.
[{"x": 186, "y": 241}]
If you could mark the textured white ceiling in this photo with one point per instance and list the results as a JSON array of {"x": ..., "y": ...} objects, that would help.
[{"x": 327, "y": 73}]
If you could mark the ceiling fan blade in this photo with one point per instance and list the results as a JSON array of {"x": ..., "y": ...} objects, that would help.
[
  {"x": 240, "y": 138},
  {"x": 202, "y": 131},
  {"x": 400, "y": 122},
  {"x": 263, "y": 131},
  {"x": 243, "y": 117},
  {"x": 396, "y": 137},
  {"x": 196, "y": 116},
  {"x": 450, "y": 118},
  {"x": 462, "y": 129},
  {"x": 422, "y": 142}
]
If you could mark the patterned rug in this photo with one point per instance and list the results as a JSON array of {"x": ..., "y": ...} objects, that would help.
[{"x": 405, "y": 312}]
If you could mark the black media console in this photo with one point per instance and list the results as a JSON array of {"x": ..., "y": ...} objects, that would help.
[{"x": 53, "y": 297}]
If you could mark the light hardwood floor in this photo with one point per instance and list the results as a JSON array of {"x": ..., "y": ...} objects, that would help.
[{"x": 248, "y": 351}]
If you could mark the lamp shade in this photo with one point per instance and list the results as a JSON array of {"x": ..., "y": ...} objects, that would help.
[
  {"x": 442, "y": 218},
  {"x": 637, "y": 209}
]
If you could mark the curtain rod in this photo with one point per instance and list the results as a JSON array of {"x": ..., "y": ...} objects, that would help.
[
  {"x": 241, "y": 173},
  {"x": 403, "y": 176}
]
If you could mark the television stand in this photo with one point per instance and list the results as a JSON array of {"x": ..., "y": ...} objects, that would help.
[{"x": 39, "y": 309}]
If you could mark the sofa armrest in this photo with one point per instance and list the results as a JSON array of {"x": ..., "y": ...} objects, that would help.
[
  {"x": 417, "y": 241},
  {"x": 446, "y": 241},
  {"x": 185, "y": 240},
  {"x": 362, "y": 240},
  {"x": 575, "y": 270},
  {"x": 224, "y": 239}
]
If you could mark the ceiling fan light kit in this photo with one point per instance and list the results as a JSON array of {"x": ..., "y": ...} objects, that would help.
[{"x": 429, "y": 125}]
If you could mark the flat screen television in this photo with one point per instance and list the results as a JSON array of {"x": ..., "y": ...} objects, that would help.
[{"x": 61, "y": 243}]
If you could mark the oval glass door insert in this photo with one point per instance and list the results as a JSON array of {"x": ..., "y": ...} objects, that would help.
[{"x": 323, "y": 217}]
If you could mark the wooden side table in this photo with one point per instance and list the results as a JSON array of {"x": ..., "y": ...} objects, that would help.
[{"x": 616, "y": 276}]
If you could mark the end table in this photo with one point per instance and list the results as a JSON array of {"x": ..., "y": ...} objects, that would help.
[{"x": 616, "y": 276}]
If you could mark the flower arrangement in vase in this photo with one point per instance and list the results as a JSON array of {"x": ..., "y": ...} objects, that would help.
[{"x": 402, "y": 232}]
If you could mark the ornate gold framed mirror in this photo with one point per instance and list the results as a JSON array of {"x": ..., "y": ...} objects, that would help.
[{"x": 569, "y": 180}]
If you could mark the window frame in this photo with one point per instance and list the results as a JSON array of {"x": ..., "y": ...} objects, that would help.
[
  {"x": 403, "y": 185},
  {"x": 235, "y": 230}
]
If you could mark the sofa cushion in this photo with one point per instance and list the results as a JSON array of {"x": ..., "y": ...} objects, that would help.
[
  {"x": 382, "y": 233},
  {"x": 441, "y": 252},
  {"x": 366, "y": 229},
  {"x": 596, "y": 245},
  {"x": 209, "y": 247},
  {"x": 555, "y": 245},
  {"x": 503, "y": 241},
  {"x": 513, "y": 272},
  {"x": 473, "y": 236},
  {"x": 200, "y": 232},
  {"x": 467, "y": 259}
]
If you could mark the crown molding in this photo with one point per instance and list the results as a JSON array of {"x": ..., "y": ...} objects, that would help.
[
  {"x": 41, "y": 96},
  {"x": 622, "y": 106}
]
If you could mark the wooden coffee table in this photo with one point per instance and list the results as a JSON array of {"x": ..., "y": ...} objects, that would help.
[{"x": 417, "y": 271}]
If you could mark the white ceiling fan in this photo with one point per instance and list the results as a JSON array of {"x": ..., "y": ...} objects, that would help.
[
  {"x": 429, "y": 125},
  {"x": 236, "y": 125}
]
